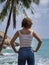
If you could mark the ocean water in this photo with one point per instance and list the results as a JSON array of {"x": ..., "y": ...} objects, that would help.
[{"x": 41, "y": 57}]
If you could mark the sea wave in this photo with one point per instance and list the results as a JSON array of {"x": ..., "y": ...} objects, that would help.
[
  {"x": 38, "y": 63},
  {"x": 13, "y": 60}
]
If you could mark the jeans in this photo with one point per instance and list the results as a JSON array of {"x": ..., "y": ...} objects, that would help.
[{"x": 26, "y": 54}]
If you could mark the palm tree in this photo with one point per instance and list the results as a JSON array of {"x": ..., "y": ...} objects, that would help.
[{"x": 13, "y": 7}]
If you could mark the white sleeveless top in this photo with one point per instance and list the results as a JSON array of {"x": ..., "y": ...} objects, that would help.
[{"x": 25, "y": 39}]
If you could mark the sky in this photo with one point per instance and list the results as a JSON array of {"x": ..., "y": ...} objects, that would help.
[{"x": 40, "y": 20}]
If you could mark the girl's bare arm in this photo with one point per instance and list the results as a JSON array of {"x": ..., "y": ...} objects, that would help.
[
  {"x": 13, "y": 40},
  {"x": 39, "y": 41}
]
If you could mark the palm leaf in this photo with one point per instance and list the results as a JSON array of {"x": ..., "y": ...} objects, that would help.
[
  {"x": 25, "y": 3},
  {"x": 36, "y": 1},
  {"x": 5, "y": 10},
  {"x": 24, "y": 12},
  {"x": 32, "y": 10},
  {"x": 1, "y": 1}
]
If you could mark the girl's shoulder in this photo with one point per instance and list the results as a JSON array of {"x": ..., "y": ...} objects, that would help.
[
  {"x": 19, "y": 31},
  {"x": 31, "y": 31}
]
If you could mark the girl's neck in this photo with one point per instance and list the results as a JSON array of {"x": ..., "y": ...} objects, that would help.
[{"x": 26, "y": 28}]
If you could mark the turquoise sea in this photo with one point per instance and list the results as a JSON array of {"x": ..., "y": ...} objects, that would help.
[{"x": 41, "y": 57}]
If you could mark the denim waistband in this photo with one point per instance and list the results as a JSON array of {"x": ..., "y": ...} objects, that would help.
[{"x": 26, "y": 48}]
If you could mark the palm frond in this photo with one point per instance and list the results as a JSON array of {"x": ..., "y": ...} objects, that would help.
[
  {"x": 17, "y": 1},
  {"x": 36, "y": 1},
  {"x": 32, "y": 10},
  {"x": 1, "y": 1},
  {"x": 4, "y": 11},
  {"x": 29, "y": 1},
  {"x": 25, "y": 3},
  {"x": 24, "y": 12}
]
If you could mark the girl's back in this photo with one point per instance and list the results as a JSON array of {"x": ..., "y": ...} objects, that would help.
[{"x": 25, "y": 36}]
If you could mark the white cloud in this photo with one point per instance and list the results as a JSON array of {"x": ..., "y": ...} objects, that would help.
[{"x": 44, "y": 2}]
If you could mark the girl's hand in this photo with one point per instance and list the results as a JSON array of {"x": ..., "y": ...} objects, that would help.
[
  {"x": 17, "y": 52},
  {"x": 34, "y": 50}
]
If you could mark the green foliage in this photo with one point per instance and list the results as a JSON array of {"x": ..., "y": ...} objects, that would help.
[
  {"x": 29, "y": 1},
  {"x": 14, "y": 3},
  {"x": 4, "y": 11},
  {"x": 2, "y": 1},
  {"x": 24, "y": 12},
  {"x": 26, "y": 3},
  {"x": 36, "y": 1}
]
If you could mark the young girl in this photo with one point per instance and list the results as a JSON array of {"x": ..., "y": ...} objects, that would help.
[{"x": 25, "y": 36}]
